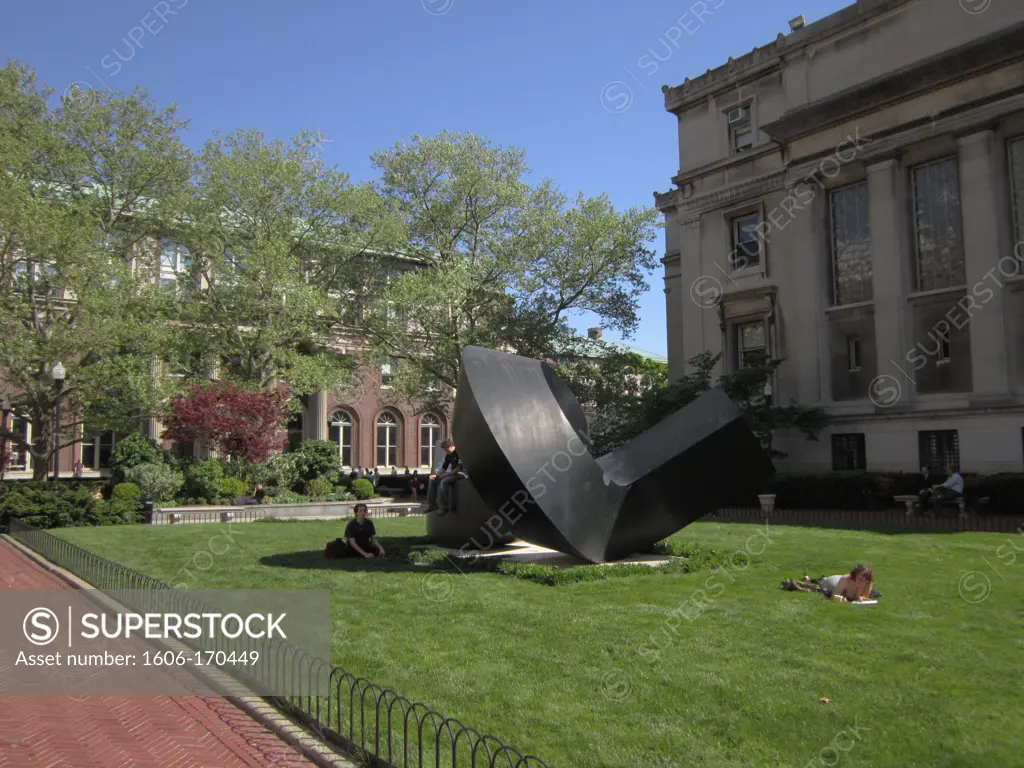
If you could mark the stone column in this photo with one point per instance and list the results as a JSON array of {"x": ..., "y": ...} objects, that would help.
[
  {"x": 890, "y": 280},
  {"x": 983, "y": 203},
  {"x": 314, "y": 420},
  {"x": 804, "y": 246},
  {"x": 700, "y": 293}
]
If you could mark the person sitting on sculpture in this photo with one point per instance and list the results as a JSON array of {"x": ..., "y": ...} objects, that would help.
[
  {"x": 854, "y": 587},
  {"x": 951, "y": 490},
  {"x": 441, "y": 482},
  {"x": 361, "y": 536}
]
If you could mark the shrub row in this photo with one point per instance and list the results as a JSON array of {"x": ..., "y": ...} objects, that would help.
[
  {"x": 69, "y": 504},
  {"x": 875, "y": 490}
]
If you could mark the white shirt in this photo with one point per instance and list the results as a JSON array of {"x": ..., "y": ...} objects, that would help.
[{"x": 955, "y": 483}]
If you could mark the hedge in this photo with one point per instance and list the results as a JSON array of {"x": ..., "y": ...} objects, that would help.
[
  {"x": 40, "y": 505},
  {"x": 875, "y": 490}
]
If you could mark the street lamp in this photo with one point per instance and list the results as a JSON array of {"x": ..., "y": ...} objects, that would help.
[
  {"x": 767, "y": 392},
  {"x": 5, "y": 407},
  {"x": 58, "y": 384}
]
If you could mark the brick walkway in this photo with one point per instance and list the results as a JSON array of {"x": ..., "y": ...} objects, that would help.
[{"x": 122, "y": 732}]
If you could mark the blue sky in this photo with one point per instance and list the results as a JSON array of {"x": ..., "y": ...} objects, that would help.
[{"x": 575, "y": 83}]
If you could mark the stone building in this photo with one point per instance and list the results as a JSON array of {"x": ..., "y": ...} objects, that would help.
[{"x": 850, "y": 197}]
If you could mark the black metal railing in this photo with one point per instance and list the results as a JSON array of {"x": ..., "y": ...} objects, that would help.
[
  {"x": 867, "y": 518},
  {"x": 358, "y": 715}
]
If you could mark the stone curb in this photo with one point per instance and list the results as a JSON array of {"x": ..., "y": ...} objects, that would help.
[{"x": 259, "y": 709}]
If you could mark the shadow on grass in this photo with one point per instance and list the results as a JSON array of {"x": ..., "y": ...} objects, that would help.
[{"x": 396, "y": 547}]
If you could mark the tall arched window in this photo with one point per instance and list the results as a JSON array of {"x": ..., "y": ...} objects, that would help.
[
  {"x": 340, "y": 432},
  {"x": 387, "y": 440},
  {"x": 430, "y": 433}
]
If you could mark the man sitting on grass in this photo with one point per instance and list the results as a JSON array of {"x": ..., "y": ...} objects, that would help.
[{"x": 361, "y": 536}]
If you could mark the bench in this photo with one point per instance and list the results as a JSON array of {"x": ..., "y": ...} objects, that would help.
[
  {"x": 912, "y": 502},
  {"x": 960, "y": 505}
]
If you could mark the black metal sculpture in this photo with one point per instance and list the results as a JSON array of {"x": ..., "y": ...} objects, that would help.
[{"x": 522, "y": 437}]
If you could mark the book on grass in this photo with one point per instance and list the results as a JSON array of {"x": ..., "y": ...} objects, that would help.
[{"x": 863, "y": 602}]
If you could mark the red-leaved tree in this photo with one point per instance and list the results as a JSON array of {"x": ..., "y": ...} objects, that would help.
[{"x": 238, "y": 422}]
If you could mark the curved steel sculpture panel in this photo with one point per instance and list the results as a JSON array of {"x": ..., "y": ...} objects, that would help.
[{"x": 522, "y": 437}]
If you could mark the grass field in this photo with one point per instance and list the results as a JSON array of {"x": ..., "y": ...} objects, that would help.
[{"x": 716, "y": 668}]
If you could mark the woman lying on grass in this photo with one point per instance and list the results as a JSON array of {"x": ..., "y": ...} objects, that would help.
[{"x": 854, "y": 587}]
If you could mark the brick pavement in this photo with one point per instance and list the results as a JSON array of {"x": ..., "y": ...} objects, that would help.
[{"x": 126, "y": 732}]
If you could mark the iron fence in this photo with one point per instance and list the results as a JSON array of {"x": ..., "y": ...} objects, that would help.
[
  {"x": 862, "y": 518},
  {"x": 392, "y": 731}
]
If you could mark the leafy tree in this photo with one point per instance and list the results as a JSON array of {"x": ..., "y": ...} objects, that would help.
[
  {"x": 745, "y": 387},
  {"x": 270, "y": 230},
  {"x": 612, "y": 390},
  {"x": 236, "y": 422},
  {"x": 203, "y": 479},
  {"x": 133, "y": 450},
  {"x": 80, "y": 181},
  {"x": 616, "y": 378},
  {"x": 500, "y": 263},
  {"x": 317, "y": 458},
  {"x": 158, "y": 482}
]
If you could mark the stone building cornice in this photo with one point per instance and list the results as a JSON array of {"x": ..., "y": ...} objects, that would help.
[
  {"x": 968, "y": 61},
  {"x": 695, "y": 205},
  {"x": 766, "y": 57}
]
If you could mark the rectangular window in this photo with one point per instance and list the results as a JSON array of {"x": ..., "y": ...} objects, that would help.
[
  {"x": 939, "y": 449},
  {"x": 851, "y": 245},
  {"x": 96, "y": 451},
  {"x": 943, "y": 353},
  {"x": 750, "y": 344},
  {"x": 89, "y": 453},
  {"x": 105, "y": 448},
  {"x": 853, "y": 353},
  {"x": 938, "y": 229},
  {"x": 42, "y": 277},
  {"x": 387, "y": 445},
  {"x": 848, "y": 452},
  {"x": 741, "y": 129},
  {"x": 385, "y": 376},
  {"x": 742, "y": 139},
  {"x": 20, "y": 455},
  {"x": 352, "y": 314},
  {"x": 175, "y": 264},
  {"x": 1017, "y": 188},
  {"x": 340, "y": 433},
  {"x": 746, "y": 241}
]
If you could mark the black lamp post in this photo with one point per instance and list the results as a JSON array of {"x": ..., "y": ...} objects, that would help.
[
  {"x": 5, "y": 407},
  {"x": 768, "y": 402},
  {"x": 58, "y": 384}
]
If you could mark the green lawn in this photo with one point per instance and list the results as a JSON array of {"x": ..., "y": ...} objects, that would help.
[{"x": 600, "y": 674}]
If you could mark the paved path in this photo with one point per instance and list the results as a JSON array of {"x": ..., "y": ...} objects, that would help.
[{"x": 122, "y": 732}]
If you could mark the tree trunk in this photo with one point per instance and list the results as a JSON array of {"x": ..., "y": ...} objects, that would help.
[{"x": 42, "y": 443}]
